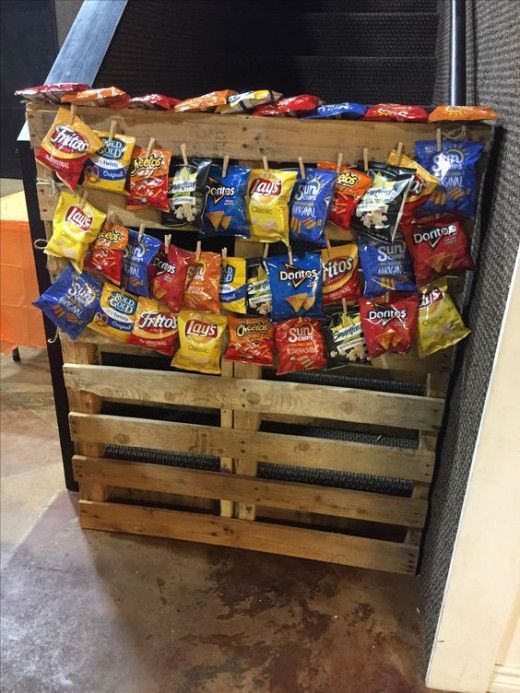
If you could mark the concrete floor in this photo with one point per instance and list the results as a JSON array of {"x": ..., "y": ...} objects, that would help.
[{"x": 95, "y": 612}]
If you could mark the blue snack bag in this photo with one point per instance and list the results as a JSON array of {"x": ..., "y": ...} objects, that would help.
[
  {"x": 386, "y": 264},
  {"x": 71, "y": 301},
  {"x": 310, "y": 202},
  {"x": 225, "y": 213},
  {"x": 139, "y": 254},
  {"x": 455, "y": 165},
  {"x": 346, "y": 111},
  {"x": 296, "y": 286}
]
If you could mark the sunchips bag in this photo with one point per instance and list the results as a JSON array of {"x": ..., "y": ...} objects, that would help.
[
  {"x": 71, "y": 302},
  {"x": 115, "y": 314},
  {"x": 148, "y": 181},
  {"x": 74, "y": 227},
  {"x": 439, "y": 324},
  {"x": 107, "y": 251},
  {"x": 155, "y": 327},
  {"x": 389, "y": 325},
  {"x": 258, "y": 290},
  {"x": 233, "y": 285},
  {"x": 296, "y": 286},
  {"x": 340, "y": 274},
  {"x": 168, "y": 283},
  {"x": 268, "y": 204},
  {"x": 456, "y": 168},
  {"x": 300, "y": 345},
  {"x": 344, "y": 339},
  {"x": 108, "y": 168},
  {"x": 386, "y": 264},
  {"x": 226, "y": 211},
  {"x": 67, "y": 146},
  {"x": 202, "y": 290},
  {"x": 187, "y": 193},
  {"x": 422, "y": 185},
  {"x": 350, "y": 186},
  {"x": 250, "y": 340},
  {"x": 310, "y": 202},
  {"x": 200, "y": 341},
  {"x": 138, "y": 256}
]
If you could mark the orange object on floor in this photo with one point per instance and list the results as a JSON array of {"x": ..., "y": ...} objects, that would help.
[{"x": 20, "y": 322}]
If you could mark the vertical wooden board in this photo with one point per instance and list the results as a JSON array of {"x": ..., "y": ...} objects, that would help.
[{"x": 226, "y": 421}]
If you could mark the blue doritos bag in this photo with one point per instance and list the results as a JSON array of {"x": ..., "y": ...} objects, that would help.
[
  {"x": 296, "y": 288},
  {"x": 346, "y": 111},
  {"x": 139, "y": 254},
  {"x": 456, "y": 168},
  {"x": 71, "y": 301},
  {"x": 386, "y": 264},
  {"x": 310, "y": 202},
  {"x": 225, "y": 213}
]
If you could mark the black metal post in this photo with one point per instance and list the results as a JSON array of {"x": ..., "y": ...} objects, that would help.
[{"x": 458, "y": 53}]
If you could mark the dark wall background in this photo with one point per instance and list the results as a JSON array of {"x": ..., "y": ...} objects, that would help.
[{"x": 492, "y": 35}]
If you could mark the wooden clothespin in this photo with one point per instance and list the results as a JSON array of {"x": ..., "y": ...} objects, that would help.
[
  {"x": 265, "y": 164},
  {"x": 225, "y": 165},
  {"x": 340, "y": 162},
  {"x": 302, "y": 167},
  {"x": 110, "y": 215},
  {"x": 184, "y": 153},
  {"x": 289, "y": 254},
  {"x": 198, "y": 251},
  {"x": 399, "y": 153},
  {"x": 72, "y": 113},
  {"x": 266, "y": 251},
  {"x": 344, "y": 306},
  {"x": 438, "y": 137},
  {"x": 84, "y": 198},
  {"x": 150, "y": 146},
  {"x": 141, "y": 231},
  {"x": 365, "y": 158},
  {"x": 112, "y": 133},
  {"x": 167, "y": 241},
  {"x": 224, "y": 255},
  {"x": 329, "y": 248}
]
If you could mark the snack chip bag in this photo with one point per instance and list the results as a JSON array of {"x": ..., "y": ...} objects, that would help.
[
  {"x": 200, "y": 338},
  {"x": 268, "y": 204},
  {"x": 386, "y": 265},
  {"x": 462, "y": 113},
  {"x": 110, "y": 97},
  {"x": 258, "y": 290},
  {"x": 153, "y": 102},
  {"x": 148, "y": 181},
  {"x": 268, "y": 110},
  {"x": 242, "y": 103},
  {"x": 389, "y": 325},
  {"x": 108, "y": 168},
  {"x": 250, "y": 340},
  {"x": 296, "y": 286},
  {"x": 340, "y": 273},
  {"x": 115, "y": 314},
  {"x": 170, "y": 278},
  {"x": 67, "y": 146},
  {"x": 345, "y": 111},
  {"x": 422, "y": 185},
  {"x": 439, "y": 324},
  {"x": 310, "y": 202},
  {"x": 226, "y": 213},
  {"x": 437, "y": 247},
  {"x": 397, "y": 112},
  {"x": 300, "y": 345},
  {"x": 344, "y": 339},
  {"x": 71, "y": 302},
  {"x": 187, "y": 193},
  {"x": 207, "y": 102},
  {"x": 155, "y": 327},
  {"x": 350, "y": 186},
  {"x": 50, "y": 93},
  {"x": 456, "y": 168},
  {"x": 381, "y": 208},
  {"x": 106, "y": 253},
  {"x": 233, "y": 285},
  {"x": 202, "y": 290},
  {"x": 139, "y": 255},
  {"x": 74, "y": 227},
  {"x": 290, "y": 106}
]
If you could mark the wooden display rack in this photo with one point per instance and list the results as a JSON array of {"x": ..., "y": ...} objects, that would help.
[{"x": 234, "y": 506}]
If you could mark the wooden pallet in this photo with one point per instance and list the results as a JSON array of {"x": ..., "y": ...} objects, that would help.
[{"x": 233, "y": 506}]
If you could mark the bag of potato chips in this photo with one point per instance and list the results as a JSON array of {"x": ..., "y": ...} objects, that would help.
[
  {"x": 422, "y": 185},
  {"x": 155, "y": 327},
  {"x": 202, "y": 290},
  {"x": 200, "y": 341},
  {"x": 350, "y": 187},
  {"x": 138, "y": 256},
  {"x": 67, "y": 146},
  {"x": 344, "y": 339},
  {"x": 439, "y": 324},
  {"x": 115, "y": 314},
  {"x": 340, "y": 273},
  {"x": 108, "y": 168},
  {"x": 389, "y": 325},
  {"x": 268, "y": 204},
  {"x": 187, "y": 193},
  {"x": 250, "y": 340},
  {"x": 386, "y": 264},
  {"x": 296, "y": 286},
  {"x": 74, "y": 227},
  {"x": 258, "y": 290},
  {"x": 310, "y": 202},
  {"x": 300, "y": 345},
  {"x": 226, "y": 212},
  {"x": 106, "y": 254},
  {"x": 169, "y": 280},
  {"x": 148, "y": 181},
  {"x": 233, "y": 285}
]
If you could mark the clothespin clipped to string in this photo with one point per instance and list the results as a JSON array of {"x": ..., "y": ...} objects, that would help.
[
  {"x": 302, "y": 167},
  {"x": 184, "y": 153},
  {"x": 72, "y": 113},
  {"x": 198, "y": 251},
  {"x": 110, "y": 216},
  {"x": 265, "y": 164},
  {"x": 225, "y": 165},
  {"x": 266, "y": 251},
  {"x": 151, "y": 143},
  {"x": 224, "y": 256},
  {"x": 289, "y": 254},
  {"x": 365, "y": 158},
  {"x": 399, "y": 153},
  {"x": 329, "y": 248},
  {"x": 84, "y": 198},
  {"x": 438, "y": 137},
  {"x": 141, "y": 231},
  {"x": 167, "y": 241},
  {"x": 340, "y": 162},
  {"x": 344, "y": 306},
  {"x": 113, "y": 126}
]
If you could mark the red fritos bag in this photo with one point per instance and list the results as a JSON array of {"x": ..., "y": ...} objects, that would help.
[
  {"x": 389, "y": 325},
  {"x": 170, "y": 277},
  {"x": 397, "y": 112},
  {"x": 300, "y": 345},
  {"x": 250, "y": 340},
  {"x": 155, "y": 327}
]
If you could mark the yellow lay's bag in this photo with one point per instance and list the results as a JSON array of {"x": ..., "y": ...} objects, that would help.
[
  {"x": 200, "y": 341},
  {"x": 439, "y": 324},
  {"x": 116, "y": 314},
  {"x": 74, "y": 227},
  {"x": 268, "y": 204},
  {"x": 107, "y": 169}
]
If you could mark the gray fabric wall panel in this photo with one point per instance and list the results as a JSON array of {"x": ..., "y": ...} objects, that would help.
[{"x": 493, "y": 30}]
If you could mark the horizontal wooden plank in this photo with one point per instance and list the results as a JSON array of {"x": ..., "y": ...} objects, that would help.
[
  {"x": 313, "y": 544},
  {"x": 316, "y": 453},
  {"x": 265, "y": 396},
  {"x": 359, "y": 505}
]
